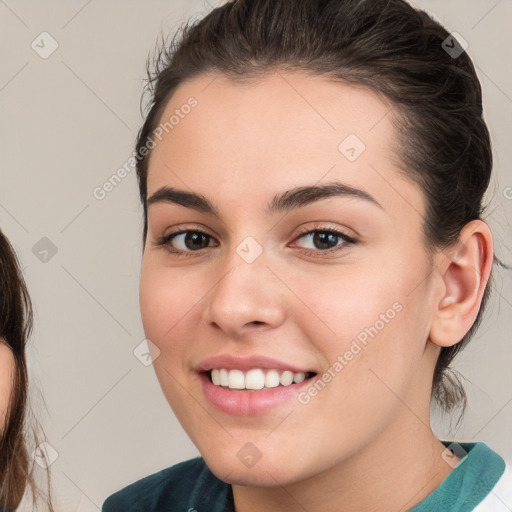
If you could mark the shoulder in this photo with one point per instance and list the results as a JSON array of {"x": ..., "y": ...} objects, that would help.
[{"x": 154, "y": 492}]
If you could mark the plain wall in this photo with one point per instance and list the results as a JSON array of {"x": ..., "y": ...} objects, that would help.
[{"x": 68, "y": 122}]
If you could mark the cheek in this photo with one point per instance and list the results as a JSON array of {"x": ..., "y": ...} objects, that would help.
[
  {"x": 167, "y": 305},
  {"x": 337, "y": 308},
  {"x": 373, "y": 317},
  {"x": 167, "y": 316}
]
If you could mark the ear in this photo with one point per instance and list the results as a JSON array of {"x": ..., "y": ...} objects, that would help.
[{"x": 464, "y": 272}]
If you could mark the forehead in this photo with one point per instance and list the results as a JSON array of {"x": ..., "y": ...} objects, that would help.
[{"x": 280, "y": 130}]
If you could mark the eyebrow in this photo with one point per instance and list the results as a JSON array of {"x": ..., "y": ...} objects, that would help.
[{"x": 295, "y": 198}]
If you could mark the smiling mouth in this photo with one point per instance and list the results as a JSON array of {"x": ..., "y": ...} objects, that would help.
[{"x": 255, "y": 379}]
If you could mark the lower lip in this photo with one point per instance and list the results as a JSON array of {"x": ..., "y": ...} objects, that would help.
[{"x": 249, "y": 403}]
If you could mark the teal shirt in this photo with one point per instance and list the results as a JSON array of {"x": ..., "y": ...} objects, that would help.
[{"x": 190, "y": 486}]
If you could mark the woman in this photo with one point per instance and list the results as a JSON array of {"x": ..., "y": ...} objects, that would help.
[
  {"x": 312, "y": 175},
  {"x": 16, "y": 473}
]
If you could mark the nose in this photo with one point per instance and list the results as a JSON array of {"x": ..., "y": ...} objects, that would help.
[{"x": 247, "y": 297}]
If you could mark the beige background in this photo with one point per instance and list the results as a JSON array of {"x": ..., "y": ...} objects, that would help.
[{"x": 68, "y": 122}]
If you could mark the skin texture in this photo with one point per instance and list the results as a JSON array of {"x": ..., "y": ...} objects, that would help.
[
  {"x": 365, "y": 439},
  {"x": 6, "y": 376}
]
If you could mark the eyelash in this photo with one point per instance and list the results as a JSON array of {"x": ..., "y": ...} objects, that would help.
[{"x": 165, "y": 241}]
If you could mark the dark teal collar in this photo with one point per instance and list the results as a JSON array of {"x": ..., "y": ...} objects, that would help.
[{"x": 468, "y": 483}]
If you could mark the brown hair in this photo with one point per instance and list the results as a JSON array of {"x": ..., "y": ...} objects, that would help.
[
  {"x": 16, "y": 467},
  {"x": 390, "y": 47}
]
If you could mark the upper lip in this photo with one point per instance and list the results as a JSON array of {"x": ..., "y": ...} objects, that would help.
[{"x": 228, "y": 362}]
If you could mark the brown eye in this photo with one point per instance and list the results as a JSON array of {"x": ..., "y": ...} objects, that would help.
[
  {"x": 327, "y": 240},
  {"x": 185, "y": 242},
  {"x": 191, "y": 240}
]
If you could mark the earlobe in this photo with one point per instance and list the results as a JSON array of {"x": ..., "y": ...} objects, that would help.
[{"x": 464, "y": 277}]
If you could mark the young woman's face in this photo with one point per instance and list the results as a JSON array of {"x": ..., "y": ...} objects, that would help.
[{"x": 251, "y": 289}]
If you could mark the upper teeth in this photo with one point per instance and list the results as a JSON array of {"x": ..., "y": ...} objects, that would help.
[{"x": 254, "y": 379}]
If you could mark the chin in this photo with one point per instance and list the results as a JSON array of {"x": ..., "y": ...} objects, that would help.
[{"x": 262, "y": 474}]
